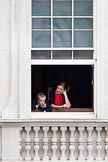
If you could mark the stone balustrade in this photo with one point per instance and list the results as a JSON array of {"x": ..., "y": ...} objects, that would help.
[{"x": 64, "y": 142}]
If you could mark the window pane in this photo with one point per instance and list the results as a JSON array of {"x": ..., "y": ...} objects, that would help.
[
  {"x": 83, "y": 54},
  {"x": 62, "y": 54},
  {"x": 62, "y": 39},
  {"x": 41, "y": 39},
  {"x": 83, "y": 8},
  {"x": 83, "y": 39},
  {"x": 62, "y": 23},
  {"x": 41, "y": 8},
  {"x": 41, "y": 23},
  {"x": 84, "y": 0},
  {"x": 62, "y": 8},
  {"x": 41, "y": 54},
  {"x": 83, "y": 24}
]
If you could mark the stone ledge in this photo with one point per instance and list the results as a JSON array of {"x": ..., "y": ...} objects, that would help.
[{"x": 45, "y": 122}]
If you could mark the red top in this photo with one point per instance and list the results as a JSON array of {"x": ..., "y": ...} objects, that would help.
[{"x": 59, "y": 99}]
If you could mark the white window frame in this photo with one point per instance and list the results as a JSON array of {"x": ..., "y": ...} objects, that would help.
[{"x": 25, "y": 73}]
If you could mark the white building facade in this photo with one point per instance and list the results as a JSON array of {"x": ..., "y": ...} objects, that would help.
[{"x": 26, "y": 135}]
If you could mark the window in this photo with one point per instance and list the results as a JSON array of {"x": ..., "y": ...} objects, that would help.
[{"x": 63, "y": 35}]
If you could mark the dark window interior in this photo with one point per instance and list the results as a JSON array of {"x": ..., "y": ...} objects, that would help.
[{"x": 79, "y": 78}]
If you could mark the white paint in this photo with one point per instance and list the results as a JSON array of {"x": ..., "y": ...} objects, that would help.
[
  {"x": 4, "y": 53},
  {"x": 16, "y": 139},
  {"x": 102, "y": 59},
  {"x": 11, "y": 110},
  {"x": 24, "y": 59},
  {"x": 16, "y": 53},
  {"x": 0, "y": 143},
  {"x": 10, "y": 144},
  {"x": 15, "y": 78}
]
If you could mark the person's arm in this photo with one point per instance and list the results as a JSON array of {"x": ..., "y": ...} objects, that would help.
[
  {"x": 57, "y": 106},
  {"x": 51, "y": 102},
  {"x": 67, "y": 102}
]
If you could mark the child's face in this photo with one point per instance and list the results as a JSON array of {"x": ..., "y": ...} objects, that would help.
[{"x": 41, "y": 100}]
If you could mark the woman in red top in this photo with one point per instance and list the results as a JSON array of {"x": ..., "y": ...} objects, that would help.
[{"x": 59, "y": 99}]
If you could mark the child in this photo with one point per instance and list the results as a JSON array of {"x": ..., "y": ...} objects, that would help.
[{"x": 42, "y": 104}]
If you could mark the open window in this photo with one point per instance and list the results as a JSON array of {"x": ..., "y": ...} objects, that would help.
[
  {"x": 78, "y": 77},
  {"x": 63, "y": 32}
]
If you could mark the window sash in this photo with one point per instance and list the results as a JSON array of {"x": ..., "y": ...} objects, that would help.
[{"x": 53, "y": 29}]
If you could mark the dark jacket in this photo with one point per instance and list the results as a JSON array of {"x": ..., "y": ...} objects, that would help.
[{"x": 47, "y": 108}]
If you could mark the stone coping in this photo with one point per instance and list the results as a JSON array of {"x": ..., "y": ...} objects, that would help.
[{"x": 53, "y": 123}]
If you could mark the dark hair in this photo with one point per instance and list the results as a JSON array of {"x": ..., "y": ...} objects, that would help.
[{"x": 64, "y": 85}]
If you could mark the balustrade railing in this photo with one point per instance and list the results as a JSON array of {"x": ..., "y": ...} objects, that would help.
[{"x": 63, "y": 143}]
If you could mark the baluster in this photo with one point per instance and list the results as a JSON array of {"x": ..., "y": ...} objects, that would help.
[
  {"x": 72, "y": 144},
  {"x": 50, "y": 136},
  {"x": 85, "y": 139},
  {"x": 68, "y": 152},
  {"x": 81, "y": 143},
  {"x": 58, "y": 151},
  {"x": 63, "y": 143},
  {"x": 98, "y": 143},
  {"x": 89, "y": 143},
  {"x": 32, "y": 150},
  {"x": 36, "y": 147},
  {"x": 28, "y": 144},
  {"x": 106, "y": 147},
  {"x": 94, "y": 143},
  {"x": 23, "y": 151},
  {"x": 20, "y": 144},
  {"x": 41, "y": 150},
  {"x": 103, "y": 137},
  {"x": 45, "y": 139},
  {"x": 54, "y": 143},
  {"x": 76, "y": 150}
]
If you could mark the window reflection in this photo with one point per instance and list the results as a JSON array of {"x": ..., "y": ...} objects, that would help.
[
  {"x": 62, "y": 8},
  {"x": 62, "y": 39},
  {"x": 41, "y": 39},
  {"x": 83, "y": 8},
  {"x": 41, "y": 23},
  {"x": 62, "y": 23},
  {"x": 41, "y": 8},
  {"x": 83, "y": 39}
]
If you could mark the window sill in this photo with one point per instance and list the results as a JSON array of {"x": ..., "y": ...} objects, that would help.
[
  {"x": 62, "y": 116},
  {"x": 69, "y": 110}
]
